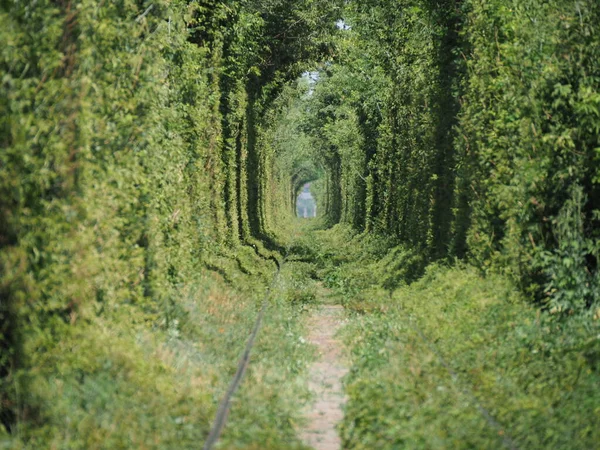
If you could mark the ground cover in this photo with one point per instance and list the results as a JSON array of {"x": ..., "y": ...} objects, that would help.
[
  {"x": 267, "y": 411},
  {"x": 117, "y": 383},
  {"x": 456, "y": 360}
]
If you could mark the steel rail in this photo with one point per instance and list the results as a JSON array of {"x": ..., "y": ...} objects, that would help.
[{"x": 223, "y": 411}]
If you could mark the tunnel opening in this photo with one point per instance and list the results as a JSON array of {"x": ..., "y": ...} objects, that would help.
[{"x": 306, "y": 205}]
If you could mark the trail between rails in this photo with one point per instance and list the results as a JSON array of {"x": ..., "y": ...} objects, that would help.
[{"x": 325, "y": 380}]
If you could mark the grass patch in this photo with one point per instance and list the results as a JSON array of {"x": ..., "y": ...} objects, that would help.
[
  {"x": 441, "y": 348},
  {"x": 130, "y": 379},
  {"x": 429, "y": 359}
]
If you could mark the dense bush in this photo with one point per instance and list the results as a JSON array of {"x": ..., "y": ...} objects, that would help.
[
  {"x": 455, "y": 359},
  {"x": 131, "y": 164},
  {"x": 459, "y": 343},
  {"x": 470, "y": 129}
]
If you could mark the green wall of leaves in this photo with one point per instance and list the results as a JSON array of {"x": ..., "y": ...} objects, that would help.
[
  {"x": 132, "y": 157},
  {"x": 471, "y": 129}
]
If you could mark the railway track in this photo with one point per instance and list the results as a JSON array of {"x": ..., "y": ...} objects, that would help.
[{"x": 220, "y": 419}]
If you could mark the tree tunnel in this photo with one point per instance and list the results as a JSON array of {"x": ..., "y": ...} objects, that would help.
[{"x": 149, "y": 148}]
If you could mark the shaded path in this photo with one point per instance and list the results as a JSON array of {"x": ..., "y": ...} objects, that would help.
[{"x": 325, "y": 377}]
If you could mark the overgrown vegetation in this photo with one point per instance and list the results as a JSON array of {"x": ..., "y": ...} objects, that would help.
[
  {"x": 151, "y": 154},
  {"x": 470, "y": 129},
  {"x": 456, "y": 360},
  {"x": 132, "y": 167}
]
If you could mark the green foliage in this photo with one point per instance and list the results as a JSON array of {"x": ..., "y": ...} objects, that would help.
[
  {"x": 131, "y": 154},
  {"x": 102, "y": 163},
  {"x": 300, "y": 289},
  {"x": 147, "y": 144},
  {"x": 456, "y": 359},
  {"x": 462, "y": 130},
  {"x": 528, "y": 147},
  {"x": 457, "y": 341},
  {"x": 358, "y": 265},
  {"x": 571, "y": 287},
  {"x": 428, "y": 358}
]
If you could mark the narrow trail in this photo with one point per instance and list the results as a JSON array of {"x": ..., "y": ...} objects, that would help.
[{"x": 325, "y": 380}]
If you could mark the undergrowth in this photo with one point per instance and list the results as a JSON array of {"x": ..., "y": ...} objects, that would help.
[
  {"x": 456, "y": 359},
  {"x": 117, "y": 383},
  {"x": 266, "y": 412}
]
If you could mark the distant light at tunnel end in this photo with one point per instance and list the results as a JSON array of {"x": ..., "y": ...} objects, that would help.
[{"x": 342, "y": 25}]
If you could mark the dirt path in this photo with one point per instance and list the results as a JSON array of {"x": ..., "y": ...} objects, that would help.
[{"x": 325, "y": 380}]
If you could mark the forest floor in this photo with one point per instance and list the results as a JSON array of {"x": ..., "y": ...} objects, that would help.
[
  {"x": 359, "y": 349},
  {"x": 325, "y": 379}
]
